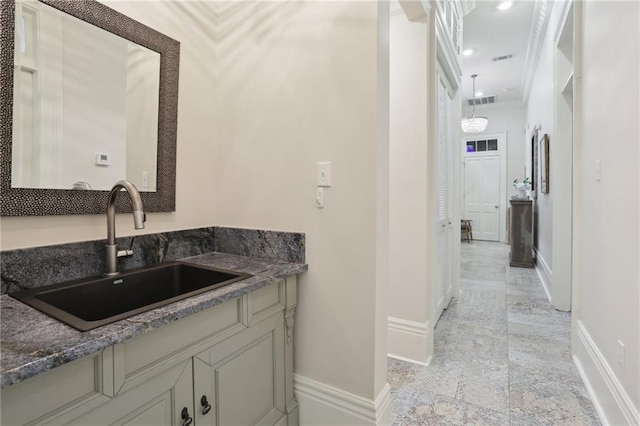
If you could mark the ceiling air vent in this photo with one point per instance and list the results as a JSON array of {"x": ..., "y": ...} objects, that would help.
[
  {"x": 482, "y": 101},
  {"x": 502, "y": 58}
]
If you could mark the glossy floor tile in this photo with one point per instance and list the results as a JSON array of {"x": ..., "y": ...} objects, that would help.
[{"x": 502, "y": 355}]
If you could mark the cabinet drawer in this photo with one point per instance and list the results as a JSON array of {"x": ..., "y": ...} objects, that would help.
[
  {"x": 60, "y": 394},
  {"x": 265, "y": 301},
  {"x": 146, "y": 355}
]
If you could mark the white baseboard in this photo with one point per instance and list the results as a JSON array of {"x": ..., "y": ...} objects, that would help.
[
  {"x": 320, "y": 404},
  {"x": 412, "y": 361},
  {"x": 613, "y": 404},
  {"x": 545, "y": 274},
  {"x": 409, "y": 340}
]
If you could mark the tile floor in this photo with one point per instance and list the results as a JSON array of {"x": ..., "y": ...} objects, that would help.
[{"x": 502, "y": 355}]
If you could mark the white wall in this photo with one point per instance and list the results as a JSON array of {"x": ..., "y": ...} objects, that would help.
[
  {"x": 508, "y": 118},
  {"x": 101, "y": 75},
  {"x": 143, "y": 82},
  {"x": 68, "y": 71},
  {"x": 606, "y": 232},
  {"x": 540, "y": 111},
  {"x": 410, "y": 333}
]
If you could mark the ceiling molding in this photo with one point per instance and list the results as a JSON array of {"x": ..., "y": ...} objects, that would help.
[
  {"x": 467, "y": 6},
  {"x": 396, "y": 10},
  {"x": 539, "y": 24},
  {"x": 565, "y": 15},
  {"x": 415, "y": 10},
  {"x": 446, "y": 54}
]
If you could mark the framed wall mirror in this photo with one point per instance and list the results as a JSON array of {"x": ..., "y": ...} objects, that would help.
[{"x": 88, "y": 97}]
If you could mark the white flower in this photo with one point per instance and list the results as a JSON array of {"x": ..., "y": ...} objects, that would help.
[{"x": 526, "y": 184}]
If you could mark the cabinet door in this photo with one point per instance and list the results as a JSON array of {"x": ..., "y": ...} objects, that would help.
[
  {"x": 158, "y": 401},
  {"x": 242, "y": 378},
  {"x": 61, "y": 394}
]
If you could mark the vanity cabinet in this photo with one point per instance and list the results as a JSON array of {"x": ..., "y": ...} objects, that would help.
[{"x": 230, "y": 364}]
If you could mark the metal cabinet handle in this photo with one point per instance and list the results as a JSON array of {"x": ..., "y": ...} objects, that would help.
[
  {"x": 206, "y": 407},
  {"x": 186, "y": 418}
]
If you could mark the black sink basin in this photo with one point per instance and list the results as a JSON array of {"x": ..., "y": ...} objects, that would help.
[{"x": 90, "y": 303}]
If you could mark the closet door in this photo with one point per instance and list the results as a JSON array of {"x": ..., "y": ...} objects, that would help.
[{"x": 444, "y": 226}]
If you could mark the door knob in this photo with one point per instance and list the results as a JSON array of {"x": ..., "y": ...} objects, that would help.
[{"x": 497, "y": 207}]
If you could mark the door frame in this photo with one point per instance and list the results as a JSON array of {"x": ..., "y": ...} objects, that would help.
[
  {"x": 563, "y": 164},
  {"x": 502, "y": 153}
]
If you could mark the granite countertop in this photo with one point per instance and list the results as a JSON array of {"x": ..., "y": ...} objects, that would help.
[{"x": 32, "y": 342}]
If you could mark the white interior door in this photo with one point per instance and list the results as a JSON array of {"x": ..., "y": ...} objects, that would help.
[
  {"x": 482, "y": 196},
  {"x": 444, "y": 276}
]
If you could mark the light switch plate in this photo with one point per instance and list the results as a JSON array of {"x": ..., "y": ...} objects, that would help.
[
  {"x": 597, "y": 170},
  {"x": 324, "y": 174}
]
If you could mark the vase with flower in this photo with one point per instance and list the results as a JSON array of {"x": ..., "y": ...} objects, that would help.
[{"x": 521, "y": 189}]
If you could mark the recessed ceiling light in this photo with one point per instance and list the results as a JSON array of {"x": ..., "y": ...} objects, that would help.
[
  {"x": 505, "y": 5},
  {"x": 467, "y": 52},
  {"x": 478, "y": 94}
]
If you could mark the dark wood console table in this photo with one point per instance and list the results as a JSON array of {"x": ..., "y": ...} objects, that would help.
[{"x": 521, "y": 233}]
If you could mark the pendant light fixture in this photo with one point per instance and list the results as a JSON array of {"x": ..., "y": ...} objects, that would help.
[{"x": 473, "y": 123}]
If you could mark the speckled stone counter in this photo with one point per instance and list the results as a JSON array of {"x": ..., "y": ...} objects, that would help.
[
  {"x": 32, "y": 342},
  {"x": 37, "y": 266}
]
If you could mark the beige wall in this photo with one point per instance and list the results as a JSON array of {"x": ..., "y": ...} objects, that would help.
[
  {"x": 409, "y": 299},
  {"x": 194, "y": 200},
  {"x": 266, "y": 90},
  {"x": 296, "y": 83},
  {"x": 608, "y": 300}
]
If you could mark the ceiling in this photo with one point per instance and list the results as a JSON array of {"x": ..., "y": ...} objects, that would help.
[{"x": 495, "y": 33}]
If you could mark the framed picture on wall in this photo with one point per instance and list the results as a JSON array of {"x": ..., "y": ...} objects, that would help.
[
  {"x": 534, "y": 164},
  {"x": 544, "y": 164}
]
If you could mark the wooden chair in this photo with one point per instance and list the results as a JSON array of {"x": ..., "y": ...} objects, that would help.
[{"x": 465, "y": 229}]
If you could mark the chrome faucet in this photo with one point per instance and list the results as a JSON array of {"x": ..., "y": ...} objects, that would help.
[{"x": 112, "y": 253}]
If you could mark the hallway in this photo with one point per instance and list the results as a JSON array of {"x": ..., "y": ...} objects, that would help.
[{"x": 502, "y": 354}]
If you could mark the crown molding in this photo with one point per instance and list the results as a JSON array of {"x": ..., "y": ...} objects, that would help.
[
  {"x": 466, "y": 6},
  {"x": 415, "y": 10},
  {"x": 539, "y": 24}
]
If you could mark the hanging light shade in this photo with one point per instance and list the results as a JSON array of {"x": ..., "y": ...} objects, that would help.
[{"x": 474, "y": 123}]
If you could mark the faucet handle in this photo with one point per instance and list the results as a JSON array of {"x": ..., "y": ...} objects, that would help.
[
  {"x": 124, "y": 253},
  {"x": 127, "y": 252}
]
